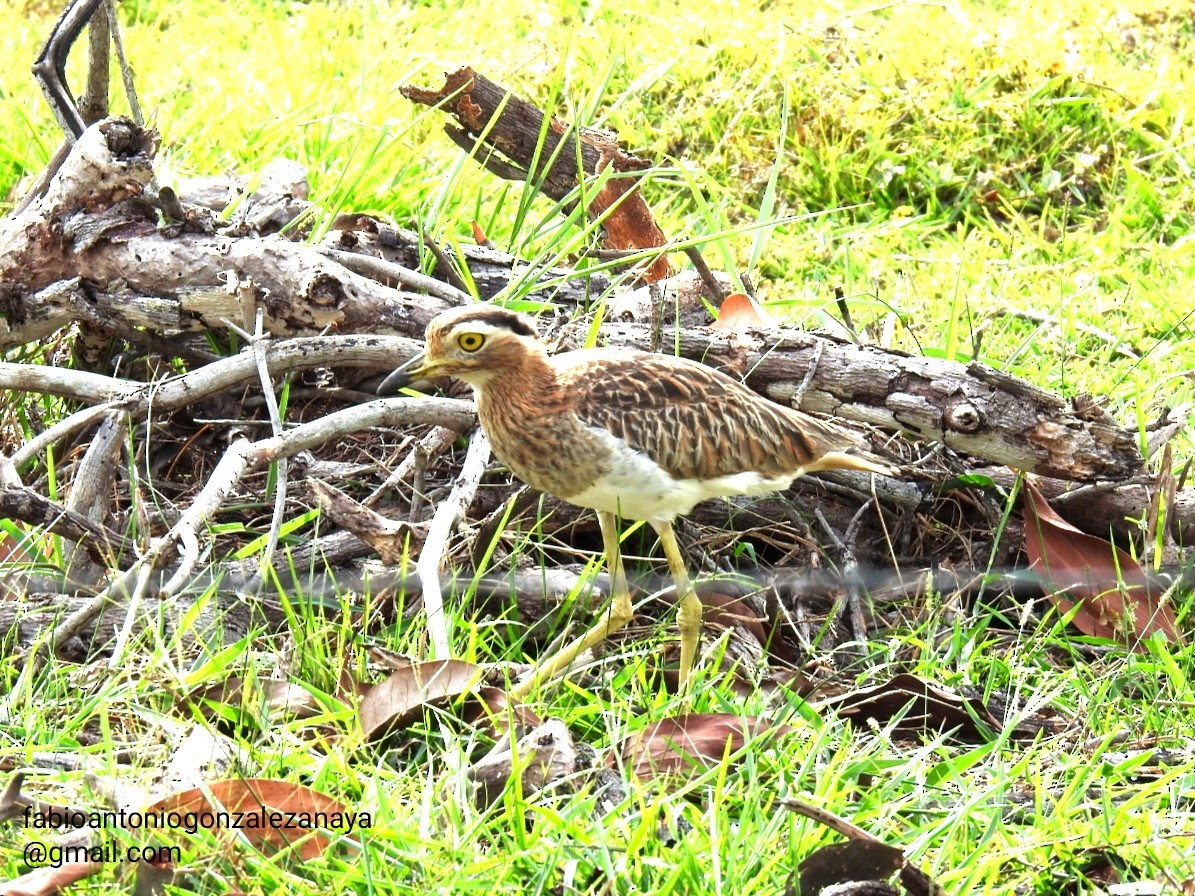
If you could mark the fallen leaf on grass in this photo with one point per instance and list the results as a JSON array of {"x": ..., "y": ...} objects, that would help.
[
  {"x": 919, "y": 705},
  {"x": 849, "y": 862},
  {"x": 48, "y": 880},
  {"x": 679, "y": 745},
  {"x": 859, "y": 865},
  {"x": 395, "y": 702},
  {"x": 237, "y": 700},
  {"x": 721, "y": 610},
  {"x": 1108, "y": 587},
  {"x": 284, "y": 814}
]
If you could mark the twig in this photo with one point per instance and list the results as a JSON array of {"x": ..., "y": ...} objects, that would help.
[
  {"x": 253, "y": 311},
  {"x": 88, "y": 312},
  {"x": 50, "y": 72},
  {"x": 126, "y": 71},
  {"x": 116, "y": 660},
  {"x": 242, "y": 458},
  {"x": 707, "y": 276},
  {"x": 377, "y": 352},
  {"x": 189, "y": 547},
  {"x": 443, "y": 261},
  {"x": 828, "y": 818},
  {"x": 372, "y": 266},
  {"x": 850, "y": 569},
  {"x": 101, "y": 543},
  {"x": 802, "y": 387},
  {"x": 429, "y": 446},
  {"x": 436, "y": 546},
  {"x": 99, "y": 34},
  {"x": 845, "y": 310},
  {"x": 60, "y": 430},
  {"x": 91, "y": 490}
]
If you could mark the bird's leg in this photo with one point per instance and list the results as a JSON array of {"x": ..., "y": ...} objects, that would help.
[
  {"x": 688, "y": 615},
  {"x": 617, "y": 616}
]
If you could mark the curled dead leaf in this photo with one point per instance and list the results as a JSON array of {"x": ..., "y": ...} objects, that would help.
[
  {"x": 741, "y": 312},
  {"x": 917, "y": 705},
  {"x": 1110, "y": 590},
  {"x": 395, "y": 702},
  {"x": 688, "y": 743},
  {"x": 840, "y": 863}
]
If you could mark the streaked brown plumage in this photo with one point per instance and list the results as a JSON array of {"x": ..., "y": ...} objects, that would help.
[{"x": 628, "y": 433}]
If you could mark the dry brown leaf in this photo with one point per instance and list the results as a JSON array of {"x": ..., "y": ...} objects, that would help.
[
  {"x": 680, "y": 745},
  {"x": 225, "y": 700},
  {"x": 840, "y": 863},
  {"x": 399, "y": 699},
  {"x": 723, "y": 610},
  {"x": 46, "y": 881},
  {"x": 934, "y": 708},
  {"x": 741, "y": 312},
  {"x": 1108, "y": 586},
  {"x": 279, "y": 806}
]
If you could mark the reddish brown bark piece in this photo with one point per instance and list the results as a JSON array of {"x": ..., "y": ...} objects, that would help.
[{"x": 511, "y": 126}]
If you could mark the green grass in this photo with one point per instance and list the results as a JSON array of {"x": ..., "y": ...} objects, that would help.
[{"x": 956, "y": 167}]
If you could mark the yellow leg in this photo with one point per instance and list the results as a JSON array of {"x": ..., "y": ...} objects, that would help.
[
  {"x": 688, "y": 616},
  {"x": 617, "y": 616}
]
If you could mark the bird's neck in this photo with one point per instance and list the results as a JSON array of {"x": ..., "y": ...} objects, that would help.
[{"x": 529, "y": 388}]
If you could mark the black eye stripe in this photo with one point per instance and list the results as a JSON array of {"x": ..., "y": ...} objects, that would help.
[{"x": 506, "y": 320}]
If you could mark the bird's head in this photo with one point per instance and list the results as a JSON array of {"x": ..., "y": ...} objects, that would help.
[{"x": 473, "y": 343}]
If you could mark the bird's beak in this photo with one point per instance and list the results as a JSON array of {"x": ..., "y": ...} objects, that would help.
[{"x": 417, "y": 368}]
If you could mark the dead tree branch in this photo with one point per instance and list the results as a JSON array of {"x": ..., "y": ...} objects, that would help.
[{"x": 522, "y": 143}]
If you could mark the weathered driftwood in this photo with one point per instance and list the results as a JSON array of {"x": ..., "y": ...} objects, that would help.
[
  {"x": 92, "y": 250},
  {"x": 971, "y": 408}
]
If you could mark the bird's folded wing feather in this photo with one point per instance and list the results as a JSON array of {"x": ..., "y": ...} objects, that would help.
[{"x": 692, "y": 420}]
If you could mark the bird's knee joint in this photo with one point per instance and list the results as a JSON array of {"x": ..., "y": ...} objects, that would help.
[
  {"x": 620, "y": 613},
  {"x": 688, "y": 616}
]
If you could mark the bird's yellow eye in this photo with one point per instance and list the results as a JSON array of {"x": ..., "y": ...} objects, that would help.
[{"x": 470, "y": 342}]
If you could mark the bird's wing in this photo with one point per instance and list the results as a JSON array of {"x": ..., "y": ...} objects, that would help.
[{"x": 696, "y": 422}]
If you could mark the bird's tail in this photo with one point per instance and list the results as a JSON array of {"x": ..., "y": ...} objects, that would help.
[{"x": 852, "y": 459}]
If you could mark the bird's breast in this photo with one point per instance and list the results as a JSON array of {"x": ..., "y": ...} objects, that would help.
[{"x": 545, "y": 447}]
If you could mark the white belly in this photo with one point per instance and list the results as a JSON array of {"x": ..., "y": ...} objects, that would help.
[{"x": 637, "y": 488}]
